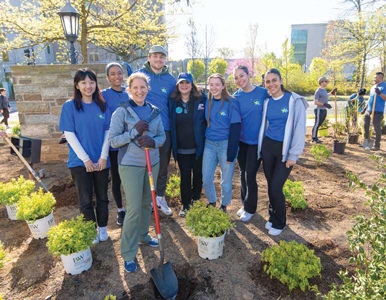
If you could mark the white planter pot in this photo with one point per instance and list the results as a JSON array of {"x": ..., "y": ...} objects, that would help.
[
  {"x": 76, "y": 263},
  {"x": 211, "y": 248},
  {"x": 39, "y": 228},
  {"x": 11, "y": 210}
]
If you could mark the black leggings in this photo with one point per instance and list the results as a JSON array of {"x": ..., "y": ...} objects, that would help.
[
  {"x": 276, "y": 174},
  {"x": 320, "y": 116},
  {"x": 5, "y": 116},
  {"x": 115, "y": 179},
  {"x": 249, "y": 165}
]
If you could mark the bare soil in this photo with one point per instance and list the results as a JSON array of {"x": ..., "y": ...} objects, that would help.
[{"x": 31, "y": 272}]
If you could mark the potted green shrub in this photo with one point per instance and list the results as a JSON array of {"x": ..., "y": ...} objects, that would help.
[
  {"x": 352, "y": 125},
  {"x": 71, "y": 240},
  {"x": 323, "y": 129},
  {"x": 209, "y": 224},
  {"x": 36, "y": 209},
  {"x": 339, "y": 137},
  {"x": 11, "y": 192}
]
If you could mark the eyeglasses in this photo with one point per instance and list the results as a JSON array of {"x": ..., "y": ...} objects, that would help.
[{"x": 185, "y": 106}]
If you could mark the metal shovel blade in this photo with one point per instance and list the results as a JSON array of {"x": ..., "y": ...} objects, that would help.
[{"x": 166, "y": 281}]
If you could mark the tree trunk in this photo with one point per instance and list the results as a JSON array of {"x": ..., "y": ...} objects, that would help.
[
  {"x": 83, "y": 39},
  {"x": 363, "y": 75}
]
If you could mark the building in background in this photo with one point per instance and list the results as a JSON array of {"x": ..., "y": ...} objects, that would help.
[{"x": 308, "y": 42}]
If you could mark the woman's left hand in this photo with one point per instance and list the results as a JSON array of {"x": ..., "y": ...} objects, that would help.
[
  {"x": 102, "y": 163},
  {"x": 290, "y": 163}
]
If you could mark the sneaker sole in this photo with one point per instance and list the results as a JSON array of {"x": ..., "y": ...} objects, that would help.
[
  {"x": 153, "y": 246},
  {"x": 166, "y": 214},
  {"x": 119, "y": 224},
  {"x": 130, "y": 271}
]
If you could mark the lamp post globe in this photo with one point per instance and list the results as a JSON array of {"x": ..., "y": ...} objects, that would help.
[{"x": 69, "y": 17}]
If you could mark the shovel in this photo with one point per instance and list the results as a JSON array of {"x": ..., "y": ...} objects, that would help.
[
  {"x": 368, "y": 143},
  {"x": 164, "y": 277},
  {"x": 26, "y": 163}
]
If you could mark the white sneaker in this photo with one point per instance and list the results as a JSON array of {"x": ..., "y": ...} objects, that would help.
[
  {"x": 240, "y": 211},
  {"x": 163, "y": 206},
  {"x": 274, "y": 231},
  {"x": 268, "y": 225},
  {"x": 102, "y": 233},
  {"x": 96, "y": 241},
  {"x": 246, "y": 216}
]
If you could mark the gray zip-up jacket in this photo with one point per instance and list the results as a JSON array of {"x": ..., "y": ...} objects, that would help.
[
  {"x": 295, "y": 128},
  {"x": 123, "y": 135}
]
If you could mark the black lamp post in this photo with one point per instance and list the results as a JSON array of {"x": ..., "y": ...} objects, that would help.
[{"x": 70, "y": 22}]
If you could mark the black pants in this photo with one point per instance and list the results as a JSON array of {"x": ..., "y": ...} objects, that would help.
[
  {"x": 5, "y": 116},
  {"x": 115, "y": 179},
  {"x": 164, "y": 156},
  {"x": 276, "y": 174},
  {"x": 249, "y": 165},
  {"x": 320, "y": 116},
  {"x": 188, "y": 163},
  {"x": 86, "y": 184},
  {"x": 378, "y": 117}
]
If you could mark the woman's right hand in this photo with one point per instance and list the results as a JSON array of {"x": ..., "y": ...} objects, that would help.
[
  {"x": 90, "y": 167},
  {"x": 142, "y": 126}
]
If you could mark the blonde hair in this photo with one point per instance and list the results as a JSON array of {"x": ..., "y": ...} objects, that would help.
[
  {"x": 224, "y": 93},
  {"x": 138, "y": 75}
]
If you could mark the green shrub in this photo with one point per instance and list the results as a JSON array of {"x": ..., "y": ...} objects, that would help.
[
  {"x": 35, "y": 206},
  {"x": 16, "y": 130},
  {"x": 110, "y": 297},
  {"x": 11, "y": 192},
  {"x": 367, "y": 242},
  {"x": 173, "y": 186},
  {"x": 2, "y": 255},
  {"x": 2, "y": 127},
  {"x": 325, "y": 124},
  {"x": 292, "y": 264},
  {"x": 71, "y": 236},
  {"x": 207, "y": 221},
  {"x": 294, "y": 194},
  {"x": 320, "y": 153}
]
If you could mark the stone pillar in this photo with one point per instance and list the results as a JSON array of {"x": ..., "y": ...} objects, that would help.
[{"x": 40, "y": 92}]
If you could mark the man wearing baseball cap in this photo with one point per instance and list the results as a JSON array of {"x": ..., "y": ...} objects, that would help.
[
  {"x": 321, "y": 103},
  {"x": 162, "y": 84}
]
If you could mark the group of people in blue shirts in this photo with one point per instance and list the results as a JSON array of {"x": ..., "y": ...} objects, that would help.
[{"x": 109, "y": 129}]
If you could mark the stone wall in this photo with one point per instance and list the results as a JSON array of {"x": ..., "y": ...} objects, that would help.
[{"x": 40, "y": 92}]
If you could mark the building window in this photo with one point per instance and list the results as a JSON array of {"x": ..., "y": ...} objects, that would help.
[
  {"x": 48, "y": 49},
  {"x": 93, "y": 57},
  {"x": 299, "y": 42},
  {"x": 5, "y": 56}
]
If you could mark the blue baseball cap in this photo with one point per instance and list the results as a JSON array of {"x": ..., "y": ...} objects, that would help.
[{"x": 185, "y": 76}]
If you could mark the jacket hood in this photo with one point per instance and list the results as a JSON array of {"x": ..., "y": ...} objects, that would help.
[
  {"x": 165, "y": 69},
  {"x": 300, "y": 98}
]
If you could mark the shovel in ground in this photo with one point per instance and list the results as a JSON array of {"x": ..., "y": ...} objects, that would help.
[
  {"x": 368, "y": 143},
  {"x": 164, "y": 277}
]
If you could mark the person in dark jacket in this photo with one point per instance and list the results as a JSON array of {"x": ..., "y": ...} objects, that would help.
[
  {"x": 4, "y": 107},
  {"x": 187, "y": 126}
]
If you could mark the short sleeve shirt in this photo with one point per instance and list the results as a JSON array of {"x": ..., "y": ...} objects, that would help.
[
  {"x": 322, "y": 96},
  {"x": 379, "y": 102}
]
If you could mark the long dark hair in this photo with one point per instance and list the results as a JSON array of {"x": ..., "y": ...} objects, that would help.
[
  {"x": 80, "y": 75},
  {"x": 195, "y": 94},
  {"x": 277, "y": 72},
  {"x": 225, "y": 96}
]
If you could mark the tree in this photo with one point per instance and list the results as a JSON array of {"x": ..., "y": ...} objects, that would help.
[
  {"x": 225, "y": 52},
  {"x": 318, "y": 68},
  {"x": 218, "y": 65},
  {"x": 209, "y": 40},
  {"x": 199, "y": 68},
  {"x": 251, "y": 50},
  {"x": 102, "y": 23},
  {"x": 192, "y": 44},
  {"x": 287, "y": 66}
]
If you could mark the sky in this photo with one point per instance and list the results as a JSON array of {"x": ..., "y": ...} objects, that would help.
[{"x": 230, "y": 20}]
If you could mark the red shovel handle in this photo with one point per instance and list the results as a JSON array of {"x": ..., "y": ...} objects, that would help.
[{"x": 153, "y": 196}]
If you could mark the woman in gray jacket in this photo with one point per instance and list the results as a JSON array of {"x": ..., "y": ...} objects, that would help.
[
  {"x": 135, "y": 125},
  {"x": 281, "y": 142}
]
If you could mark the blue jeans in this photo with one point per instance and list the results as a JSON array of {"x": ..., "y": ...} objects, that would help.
[{"x": 216, "y": 153}]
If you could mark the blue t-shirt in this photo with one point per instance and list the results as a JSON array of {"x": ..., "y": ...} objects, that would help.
[
  {"x": 277, "y": 115},
  {"x": 221, "y": 118},
  {"x": 379, "y": 103},
  {"x": 143, "y": 112},
  {"x": 89, "y": 126},
  {"x": 113, "y": 98},
  {"x": 161, "y": 86},
  {"x": 251, "y": 110}
]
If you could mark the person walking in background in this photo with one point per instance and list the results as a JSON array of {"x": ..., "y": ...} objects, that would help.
[
  {"x": 321, "y": 103},
  {"x": 281, "y": 142},
  {"x": 113, "y": 96},
  {"x": 135, "y": 125},
  {"x": 379, "y": 89},
  {"x": 222, "y": 140},
  {"x": 187, "y": 126},
  {"x": 5, "y": 107},
  {"x": 85, "y": 121},
  {"x": 162, "y": 84},
  {"x": 251, "y": 99}
]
